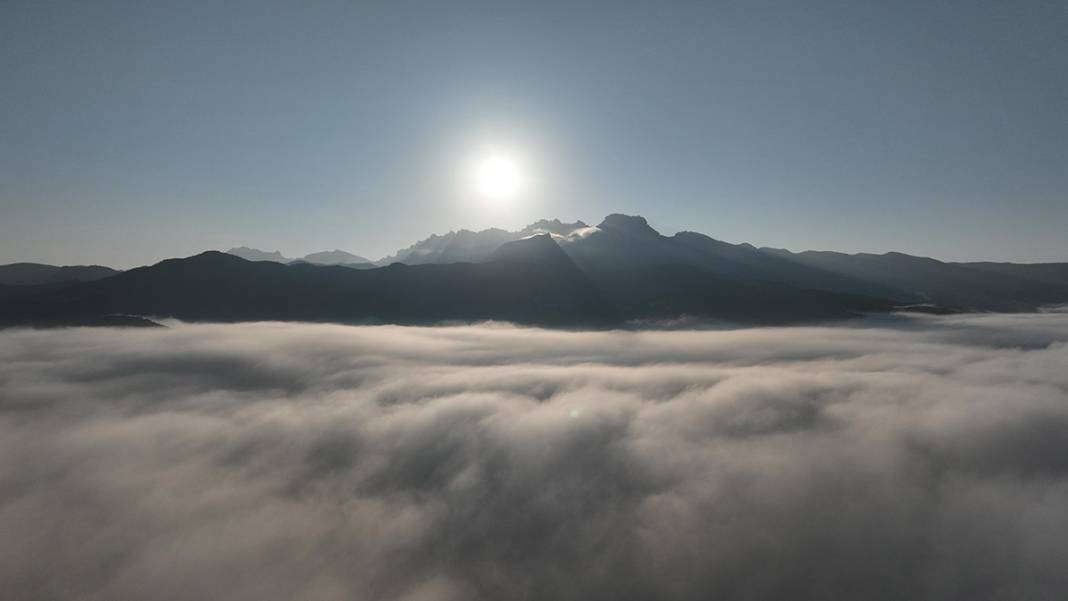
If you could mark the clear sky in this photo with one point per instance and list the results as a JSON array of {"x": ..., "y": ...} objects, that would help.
[{"x": 135, "y": 131}]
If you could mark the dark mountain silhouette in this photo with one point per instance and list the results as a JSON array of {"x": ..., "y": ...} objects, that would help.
[
  {"x": 651, "y": 276},
  {"x": 525, "y": 284},
  {"x": 974, "y": 286},
  {"x": 613, "y": 252},
  {"x": 31, "y": 274},
  {"x": 550, "y": 273}
]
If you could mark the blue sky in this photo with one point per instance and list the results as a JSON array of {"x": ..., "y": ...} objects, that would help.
[{"x": 136, "y": 131}]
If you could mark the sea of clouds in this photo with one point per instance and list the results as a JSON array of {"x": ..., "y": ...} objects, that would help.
[{"x": 904, "y": 458}]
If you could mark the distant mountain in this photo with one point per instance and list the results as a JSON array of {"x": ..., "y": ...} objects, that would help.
[
  {"x": 32, "y": 274},
  {"x": 466, "y": 246},
  {"x": 255, "y": 254},
  {"x": 554, "y": 227},
  {"x": 550, "y": 273},
  {"x": 335, "y": 257},
  {"x": 971, "y": 286},
  {"x": 327, "y": 257}
]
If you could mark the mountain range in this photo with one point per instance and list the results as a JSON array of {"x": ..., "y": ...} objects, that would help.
[
  {"x": 327, "y": 257},
  {"x": 621, "y": 271},
  {"x": 30, "y": 274}
]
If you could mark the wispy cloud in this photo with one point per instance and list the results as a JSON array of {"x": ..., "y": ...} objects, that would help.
[{"x": 920, "y": 458}]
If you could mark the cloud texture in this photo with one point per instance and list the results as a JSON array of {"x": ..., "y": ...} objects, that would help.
[{"x": 904, "y": 459}]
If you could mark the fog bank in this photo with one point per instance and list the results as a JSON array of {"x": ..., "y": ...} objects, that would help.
[{"x": 905, "y": 458}]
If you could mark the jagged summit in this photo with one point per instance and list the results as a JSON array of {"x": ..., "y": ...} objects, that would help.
[
  {"x": 473, "y": 247},
  {"x": 632, "y": 225},
  {"x": 255, "y": 254},
  {"x": 554, "y": 226},
  {"x": 458, "y": 246}
]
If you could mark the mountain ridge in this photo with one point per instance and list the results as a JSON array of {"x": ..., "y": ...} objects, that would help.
[
  {"x": 550, "y": 273},
  {"x": 903, "y": 278},
  {"x": 32, "y": 274},
  {"x": 326, "y": 257}
]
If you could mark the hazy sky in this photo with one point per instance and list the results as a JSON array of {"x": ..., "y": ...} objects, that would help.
[{"x": 134, "y": 131}]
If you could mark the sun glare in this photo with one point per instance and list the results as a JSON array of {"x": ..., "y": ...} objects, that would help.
[{"x": 498, "y": 178}]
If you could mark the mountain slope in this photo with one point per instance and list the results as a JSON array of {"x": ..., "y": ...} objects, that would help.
[
  {"x": 975, "y": 286},
  {"x": 656, "y": 277},
  {"x": 32, "y": 274},
  {"x": 531, "y": 280},
  {"x": 215, "y": 286},
  {"x": 622, "y": 251}
]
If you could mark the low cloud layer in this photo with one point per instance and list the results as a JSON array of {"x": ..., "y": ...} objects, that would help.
[{"x": 920, "y": 458}]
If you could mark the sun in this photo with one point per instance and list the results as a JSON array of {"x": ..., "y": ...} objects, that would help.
[{"x": 498, "y": 177}]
